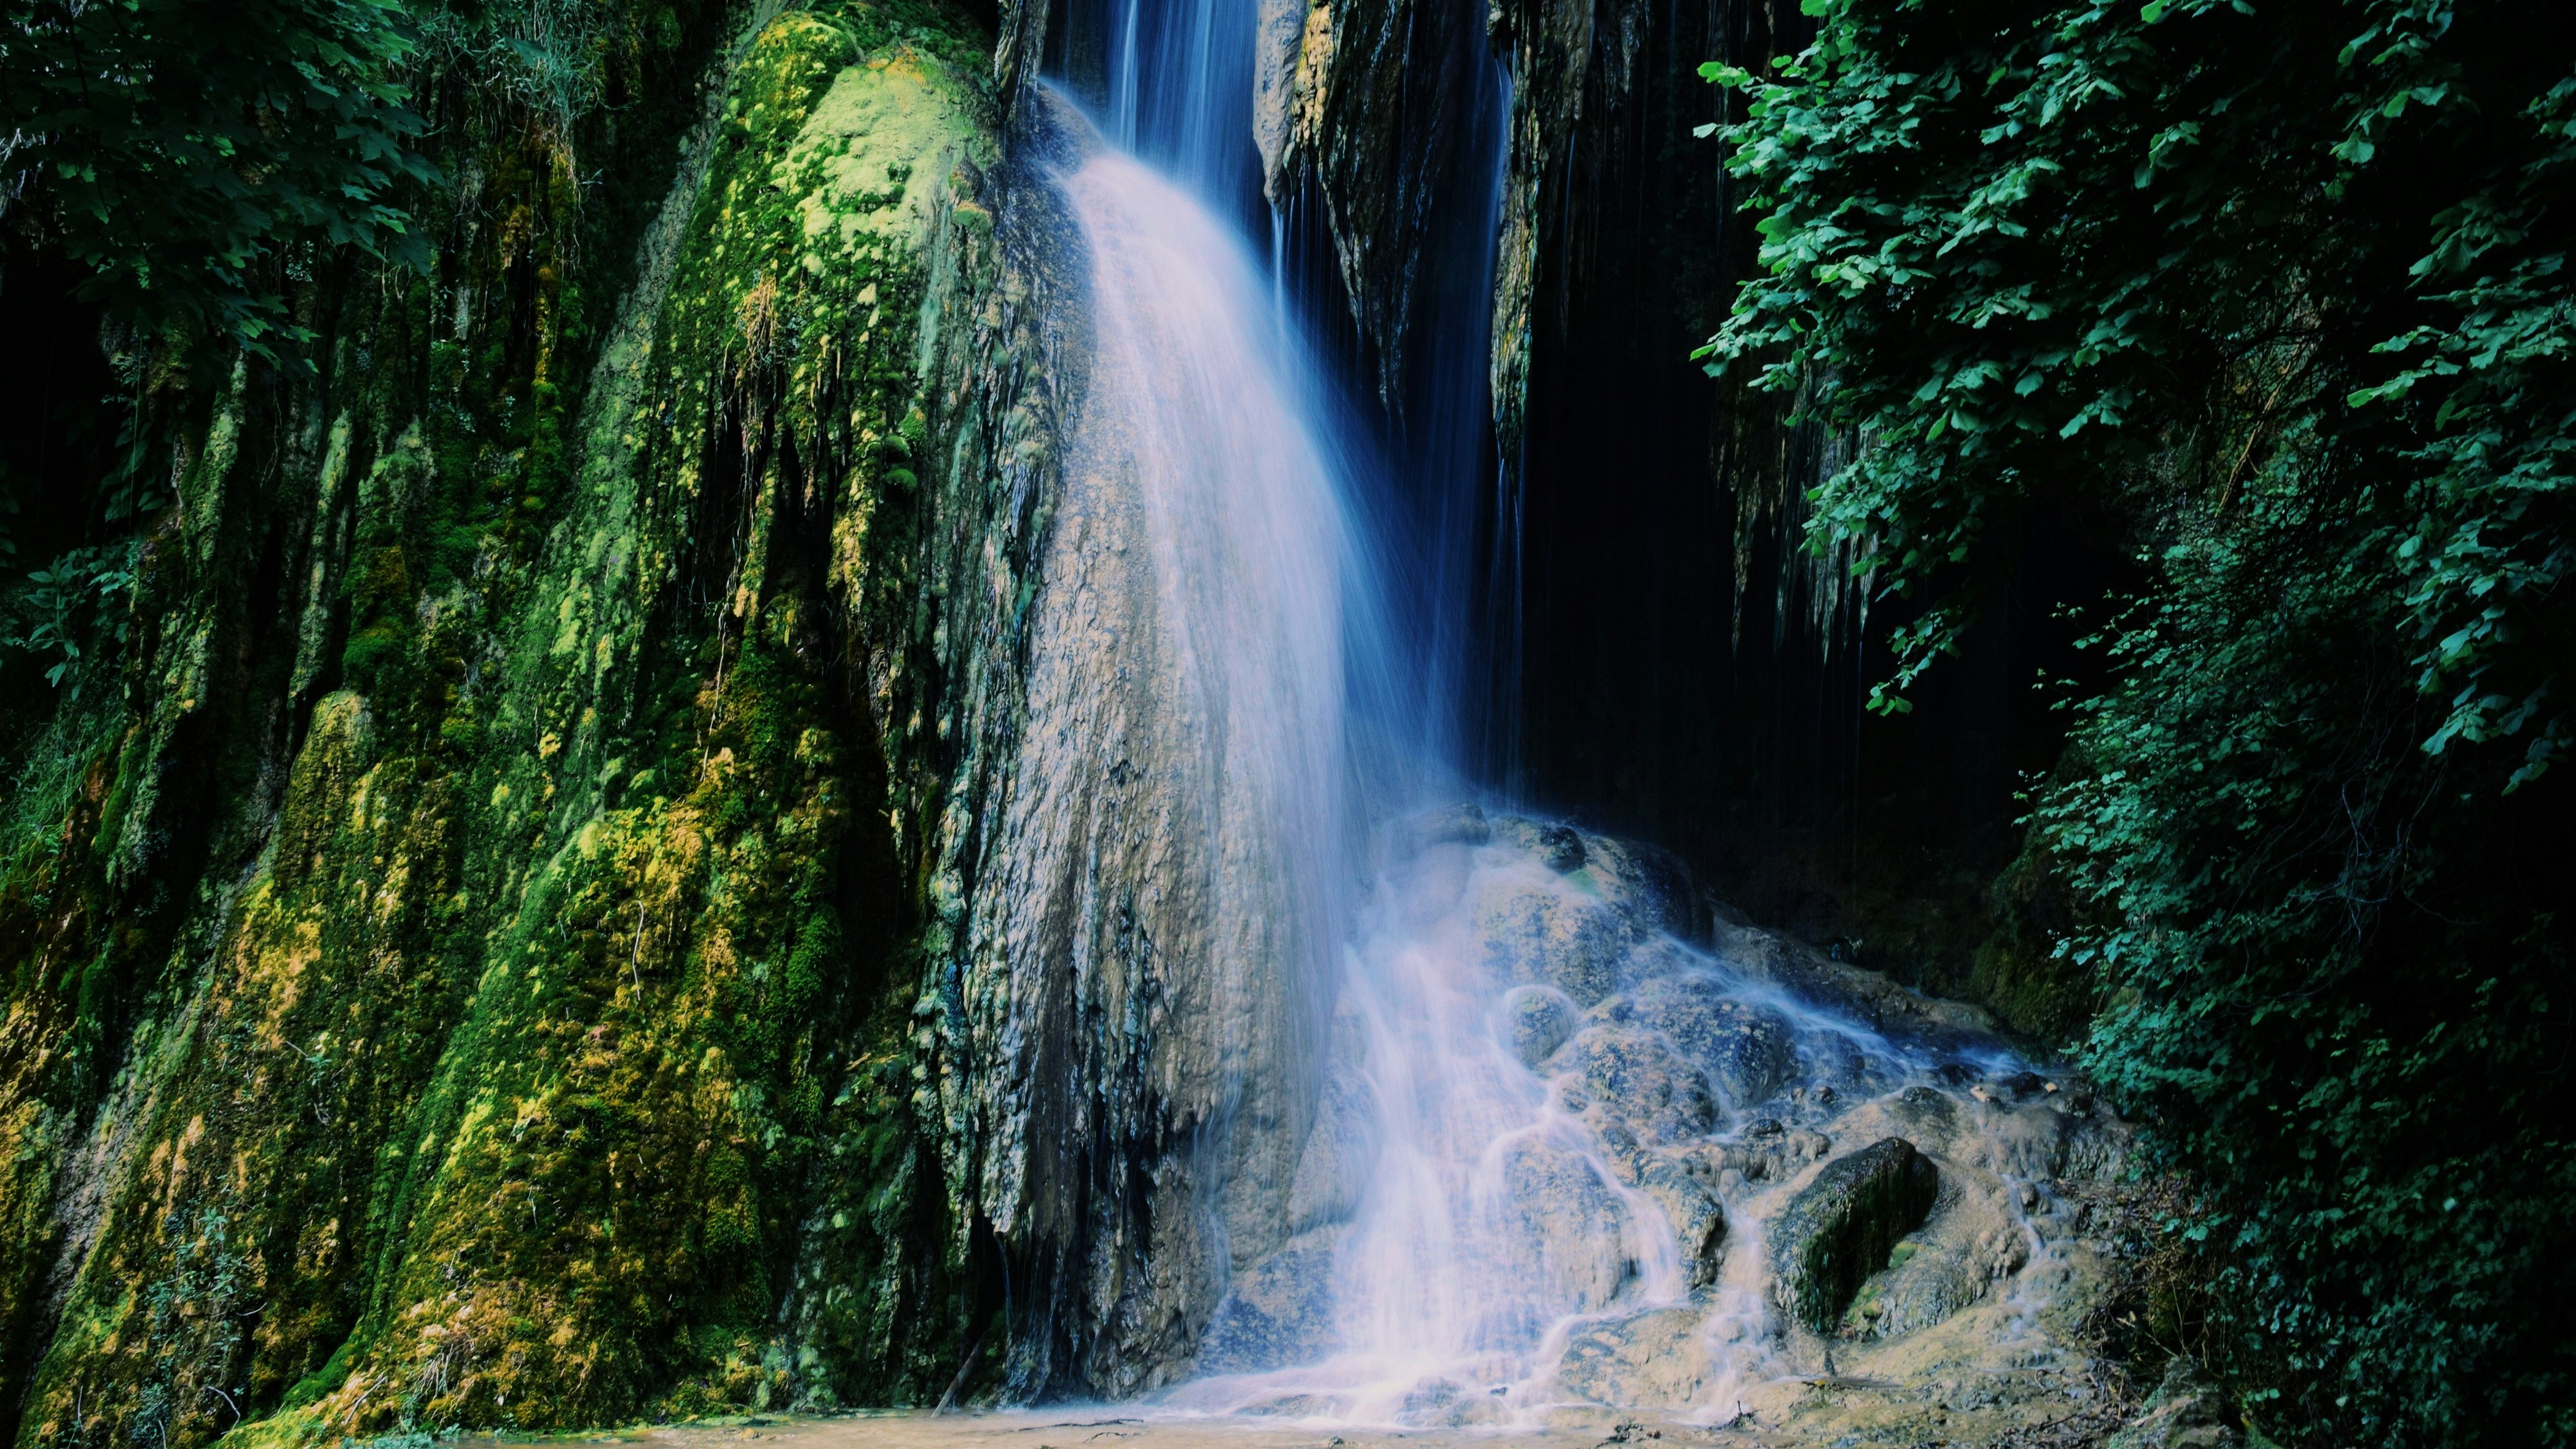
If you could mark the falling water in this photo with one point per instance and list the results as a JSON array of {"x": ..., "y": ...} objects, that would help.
[
  {"x": 1178, "y": 93},
  {"x": 1554, "y": 1118},
  {"x": 1211, "y": 561}
]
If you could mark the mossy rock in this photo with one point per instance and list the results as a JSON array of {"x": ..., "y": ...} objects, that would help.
[
  {"x": 1842, "y": 1227},
  {"x": 542, "y": 1018}
]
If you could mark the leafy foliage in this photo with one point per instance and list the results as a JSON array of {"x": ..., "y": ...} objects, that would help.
[
  {"x": 52, "y": 605},
  {"x": 2285, "y": 283},
  {"x": 178, "y": 148}
]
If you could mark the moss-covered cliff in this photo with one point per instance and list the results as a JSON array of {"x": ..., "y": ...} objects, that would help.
[{"x": 461, "y": 950}]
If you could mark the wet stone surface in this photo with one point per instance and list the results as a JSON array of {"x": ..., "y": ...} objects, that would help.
[{"x": 1583, "y": 1147}]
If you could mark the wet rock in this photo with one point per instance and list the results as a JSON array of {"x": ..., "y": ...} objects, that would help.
[
  {"x": 1774, "y": 1156},
  {"x": 1649, "y": 886},
  {"x": 1571, "y": 1243},
  {"x": 1637, "y": 1080},
  {"x": 1926, "y": 1115},
  {"x": 1374, "y": 112},
  {"x": 1618, "y": 1142},
  {"x": 1290, "y": 1406},
  {"x": 1866, "y": 996},
  {"x": 1548, "y": 935},
  {"x": 2185, "y": 1412},
  {"x": 1748, "y": 1050},
  {"x": 1539, "y": 1020},
  {"x": 1698, "y": 1219},
  {"x": 1842, "y": 1226},
  {"x": 1560, "y": 849},
  {"x": 1935, "y": 1273},
  {"x": 1653, "y": 1358},
  {"x": 1332, "y": 1173},
  {"x": 1461, "y": 824},
  {"x": 1281, "y": 1309},
  {"x": 1428, "y": 1397},
  {"x": 1178, "y": 1053},
  {"x": 1449, "y": 1403}
]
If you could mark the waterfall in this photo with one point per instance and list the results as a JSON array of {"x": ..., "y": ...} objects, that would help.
[
  {"x": 1487, "y": 1116},
  {"x": 1195, "y": 417}
]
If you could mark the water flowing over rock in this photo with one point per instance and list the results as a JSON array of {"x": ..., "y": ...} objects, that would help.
[
  {"x": 1671, "y": 1197},
  {"x": 1156, "y": 898}
]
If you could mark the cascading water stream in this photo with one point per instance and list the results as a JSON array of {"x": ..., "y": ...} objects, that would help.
[{"x": 1551, "y": 1132}]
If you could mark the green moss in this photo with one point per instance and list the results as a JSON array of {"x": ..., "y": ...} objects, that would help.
[
  {"x": 479, "y": 1070},
  {"x": 1845, "y": 1225}
]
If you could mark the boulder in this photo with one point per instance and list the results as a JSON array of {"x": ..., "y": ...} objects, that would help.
[
  {"x": 1460, "y": 824},
  {"x": 1748, "y": 1050},
  {"x": 1560, "y": 849},
  {"x": 1541, "y": 931},
  {"x": 1927, "y": 1109},
  {"x": 1698, "y": 1220},
  {"x": 1635, "y": 1079},
  {"x": 1647, "y": 885},
  {"x": 1842, "y": 1225},
  {"x": 1537, "y": 1020},
  {"x": 2185, "y": 1412},
  {"x": 1939, "y": 1273},
  {"x": 1448, "y": 1403}
]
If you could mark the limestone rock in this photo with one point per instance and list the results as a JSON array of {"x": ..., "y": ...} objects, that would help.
[
  {"x": 1539, "y": 1020},
  {"x": 1650, "y": 1358},
  {"x": 1280, "y": 1310},
  {"x": 1449, "y": 1403},
  {"x": 1937, "y": 1273},
  {"x": 1637, "y": 1080},
  {"x": 1646, "y": 885},
  {"x": 1571, "y": 1221},
  {"x": 1841, "y": 1227},
  {"x": 1698, "y": 1219},
  {"x": 1546, "y": 934},
  {"x": 1460, "y": 824},
  {"x": 1332, "y": 1172},
  {"x": 1748, "y": 1050}
]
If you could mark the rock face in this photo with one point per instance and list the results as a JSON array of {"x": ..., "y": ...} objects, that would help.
[
  {"x": 615, "y": 979},
  {"x": 1842, "y": 1226},
  {"x": 1127, "y": 1048},
  {"x": 1384, "y": 113}
]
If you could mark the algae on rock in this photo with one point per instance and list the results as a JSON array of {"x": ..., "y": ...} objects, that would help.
[
  {"x": 444, "y": 985},
  {"x": 1843, "y": 1225}
]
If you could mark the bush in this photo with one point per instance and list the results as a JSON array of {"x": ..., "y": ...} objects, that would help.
[{"x": 2283, "y": 283}]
